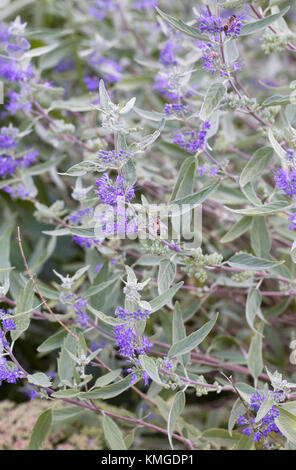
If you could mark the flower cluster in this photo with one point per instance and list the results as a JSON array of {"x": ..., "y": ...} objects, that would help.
[
  {"x": 8, "y": 374},
  {"x": 167, "y": 54},
  {"x": 174, "y": 108},
  {"x": 13, "y": 45},
  {"x": 266, "y": 426},
  {"x": 110, "y": 191},
  {"x": 7, "y": 323},
  {"x": 192, "y": 141},
  {"x": 107, "y": 68},
  {"x": 85, "y": 242},
  {"x": 286, "y": 181},
  {"x": 113, "y": 159},
  {"x": 101, "y": 9},
  {"x": 79, "y": 310},
  {"x": 130, "y": 344},
  {"x": 78, "y": 216},
  {"x": 214, "y": 26},
  {"x": 136, "y": 315},
  {"x": 145, "y": 4}
]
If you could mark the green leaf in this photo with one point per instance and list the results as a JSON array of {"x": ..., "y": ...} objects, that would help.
[
  {"x": 78, "y": 105},
  {"x": 192, "y": 341},
  {"x": 264, "y": 408},
  {"x": 266, "y": 209},
  {"x": 214, "y": 95},
  {"x": 53, "y": 342},
  {"x": 251, "y": 195},
  {"x": 293, "y": 252},
  {"x": 39, "y": 379},
  {"x": 107, "y": 378},
  {"x": 65, "y": 362},
  {"x": 164, "y": 298},
  {"x": 255, "y": 361},
  {"x": 221, "y": 437},
  {"x": 43, "y": 167},
  {"x": 253, "y": 307},
  {"x": 4, "y": 259},
  {"x": 149, "y": 365},
  {"x": 38, "y": 51},
  {"x": 257, "y": 165},
  {"x": 286, "y": 422},
  {"x": 24, "y": 304},
  {"x": 179, "y": 331},
  {"x": 237, "y": 410},
  {"x": 238, "y": 229},
  {"x": 181, "y": 26},
  {"x": 184, "y": 184},
  {"x": 105, "y": 318},
  {"x": 69, "y": 393},
  {"x": 82, "y": 168},
  {"x": 276, "y": 146},
  {"x": 108, "y": 391},
  {"x": 276, "y": 100},
  {"x": 113, "y": 434},
  {"x": 40, "y": 430},
  {"x": 246, "y": 391},
  {"x": 196, "y": 198},
  {"x": 260, "y": 240},
  {"x": 166, "y": 275},
  {"x": 95, "y": 289},
  {"x": 248, "y": 262},
  {"x": 176, "y": 410},
  {"x": 261, "y": 24}
]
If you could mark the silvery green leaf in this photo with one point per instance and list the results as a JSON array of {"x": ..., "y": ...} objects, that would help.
[
  {"x": 253, "y": 308},
  {"x": 39, "y": 379},
  {"x": 238, "y": 229},
  {"x": 24, "y": 303},
  {"x": 257, "y": 165},
  {"x": 250, "y": 262},
  {"x": 213, "y": 97},
  {"x": 260, "y": 240},
  {"x": 65, "y": 362},
  {"x": 179, "y": 331},
  {"x": 105, "y": 101},
  {"x": 189, "y": 343},
  {"x": 149, "y": 365},
  {"x": 38, "y": 51},
  {"x": 237, "y": 410},
  {"x": 276, "y": 146},
  {"x": 164, "y": 298},
  {"x": 106, "y": 379},
  {"x": 286, "y": 422},
  {"x": 266, "y": 209},
  {"x": 54, "y": 341},
  {"x": 181, "y": 26},
  {"x": 166, "y": 275},
  {"x": 113, "y": 434},
  {"x": 40, "y": 430},
  {"x": 293, "y": 252},
  {"x": 128, "y": 106},
  {"x": 231, "y": 51},
  {"x": 105, "y": 318},
  {"x": 258, "y": 25},
  {"x": 264, "y": 408},
  {"x": 176, "y": 410},
  {"x": 255, "y": 361},
  {"x": 108, "y": 391}
]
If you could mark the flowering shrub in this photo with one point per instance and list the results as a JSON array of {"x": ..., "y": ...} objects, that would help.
[{"x": 148, "y": 217}]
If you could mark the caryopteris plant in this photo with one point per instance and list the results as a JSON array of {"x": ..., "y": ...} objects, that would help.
[{"x": 148, "y": 221}]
